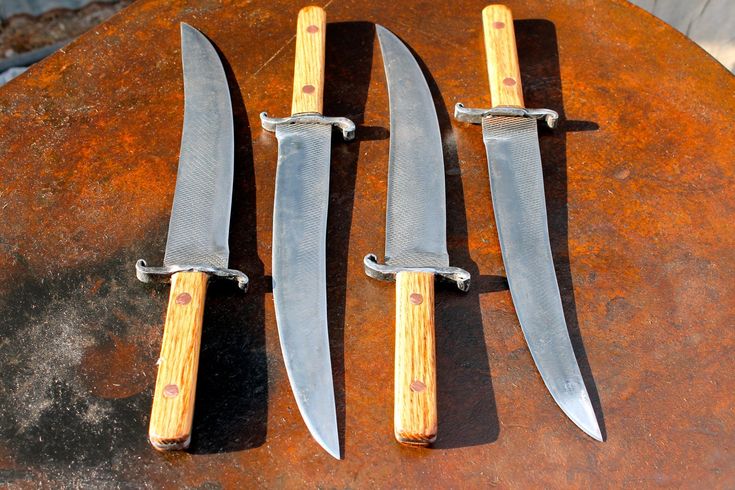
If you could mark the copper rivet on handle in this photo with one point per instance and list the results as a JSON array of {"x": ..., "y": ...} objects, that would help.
[
  {"x": 308, "y": 89},
  {"x": 312, "y": 29},
  {"x": 509, "y": 81},
  {"x": 183, "y": 299},
  {"x": 418, "y": 386},
  {"x": 498, "y": 25},
  {"x": 416, "y": 298},
  {"x": 170, "y": 391}
]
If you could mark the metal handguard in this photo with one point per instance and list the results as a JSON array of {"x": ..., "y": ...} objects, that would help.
[
  {"x": 384, "y": 272},
  {"x": 163, "y": 274},
  {"x": 475, "y": 116},
  {"x": 345, "y": 125}
]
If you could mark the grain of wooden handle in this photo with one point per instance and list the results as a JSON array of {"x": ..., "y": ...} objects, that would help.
[
  {"x": 173, "y": 399},
  {"x": 308, "y": 76},
  {"x": 502, "y": 56},
  {"x": 415, "y": 383}
]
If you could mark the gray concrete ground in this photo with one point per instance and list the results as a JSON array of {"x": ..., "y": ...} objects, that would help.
[
  {"x": 709, "y": 23},
  {"x": 8, "y": 8}
]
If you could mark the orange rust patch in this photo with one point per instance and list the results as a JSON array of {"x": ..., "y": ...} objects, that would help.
[{"x": 111, "y": 371}]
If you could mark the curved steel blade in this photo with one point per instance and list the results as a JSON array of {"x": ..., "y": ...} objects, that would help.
[
  {"x": 517, "y": 185},
  {"x": 299, "y": 274},
  {"x": 416, "y": 210},
  {"x": 200, "y": 216}
]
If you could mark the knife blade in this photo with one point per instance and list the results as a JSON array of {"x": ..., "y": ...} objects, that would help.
[
  {"x": 299, "y": 233},
  {"x": 197, "y": 236},
  {"x": 516, "y": 180},
  {"x": 415, "y": 241}
]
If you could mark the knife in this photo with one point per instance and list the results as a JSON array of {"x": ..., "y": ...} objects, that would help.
[
  {"x": 197, "y": 245},
  {"x": 299, "y": 232},
  {"x": 516, "y": 181},
  {"x": 415, "y": 239}
]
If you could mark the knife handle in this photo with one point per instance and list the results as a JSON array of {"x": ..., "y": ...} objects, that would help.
[
  {"x": 415, "y": 415},
  {"x": 502, "y": 57},
  {"x": 308, "y": 75},
  {"x": 173, "y": 399}
]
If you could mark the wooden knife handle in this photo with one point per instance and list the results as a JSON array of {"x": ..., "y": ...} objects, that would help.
[
  {"x": 502, "y": 56},
  {"x": 173, "y": 399},
  {"x": 415, "y": 416},
  {"x": 308, "y": 75}
]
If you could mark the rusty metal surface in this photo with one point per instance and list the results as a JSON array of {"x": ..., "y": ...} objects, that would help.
[{"x": 640, "y": 192}]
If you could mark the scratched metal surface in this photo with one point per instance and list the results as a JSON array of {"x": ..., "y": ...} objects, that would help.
[{"x": 640, "y": 192}]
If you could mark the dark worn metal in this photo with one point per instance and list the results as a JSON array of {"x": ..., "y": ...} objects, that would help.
[{"x": 640, "y": 191}]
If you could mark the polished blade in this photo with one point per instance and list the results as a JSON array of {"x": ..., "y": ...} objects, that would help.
[
  {"x": 517, "y": 185},
  {"x": 416, "y": 210},
  {"x": 299, "y": 274},
  {"x": 200, "y": 217}
]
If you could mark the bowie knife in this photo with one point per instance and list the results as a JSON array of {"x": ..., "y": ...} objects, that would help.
[
  {"x": 415, "y": 241},
  {"x": 299, "y": 232},
  {"x": 197, "y": 245},
  {"x": 516, "y": 181}
]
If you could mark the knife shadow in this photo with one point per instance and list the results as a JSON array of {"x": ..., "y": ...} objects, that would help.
[
  {"x": 538, "y": 54},
  {"x": 232, "y": 387},
  {"x": 349, "y": 55},
  {"x": 465, "y": 398}
]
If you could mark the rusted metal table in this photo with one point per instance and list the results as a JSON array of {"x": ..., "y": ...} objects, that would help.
[{"x": 641, "y": 200}]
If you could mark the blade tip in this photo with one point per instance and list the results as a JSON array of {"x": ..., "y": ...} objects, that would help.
[
  {"x": 587, "y": 422},
  {"x": 335, "y": 453},
  {"x": 595, "y": 433},
  {"x": 580, "y": 411},
  {"x": 331, "y": 446}
]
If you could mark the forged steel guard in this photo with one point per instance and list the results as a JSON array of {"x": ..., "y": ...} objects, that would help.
[
  {"x": 475, "y": 116},
  {"x": 345, "y": 125},
  {"x": 144, "y": 273},
  {"x": 385, "y": 272}
]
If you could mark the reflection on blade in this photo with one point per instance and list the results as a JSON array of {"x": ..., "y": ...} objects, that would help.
[
  {"x": 200, "y": 217},
  {"x": 299, "y": 274},
  {"x": 517, "y": 185}
]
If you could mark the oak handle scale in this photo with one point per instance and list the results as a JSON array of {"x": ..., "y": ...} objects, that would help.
[
  {"x": 415, "y": 414},
  {"x": 173, "y": 399},
  {"x": 308, "y": 76},
  {"x": 502, "y": 57}
]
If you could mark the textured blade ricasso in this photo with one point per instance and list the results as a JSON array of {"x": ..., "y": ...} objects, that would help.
[
  {"x": 418, "y": 260},
  {"x": 415, "y": 214},
  {"x": 299, "y": 274},
  {"x": 300, "y": 208},
  {"x": 199, "y": 224}
]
